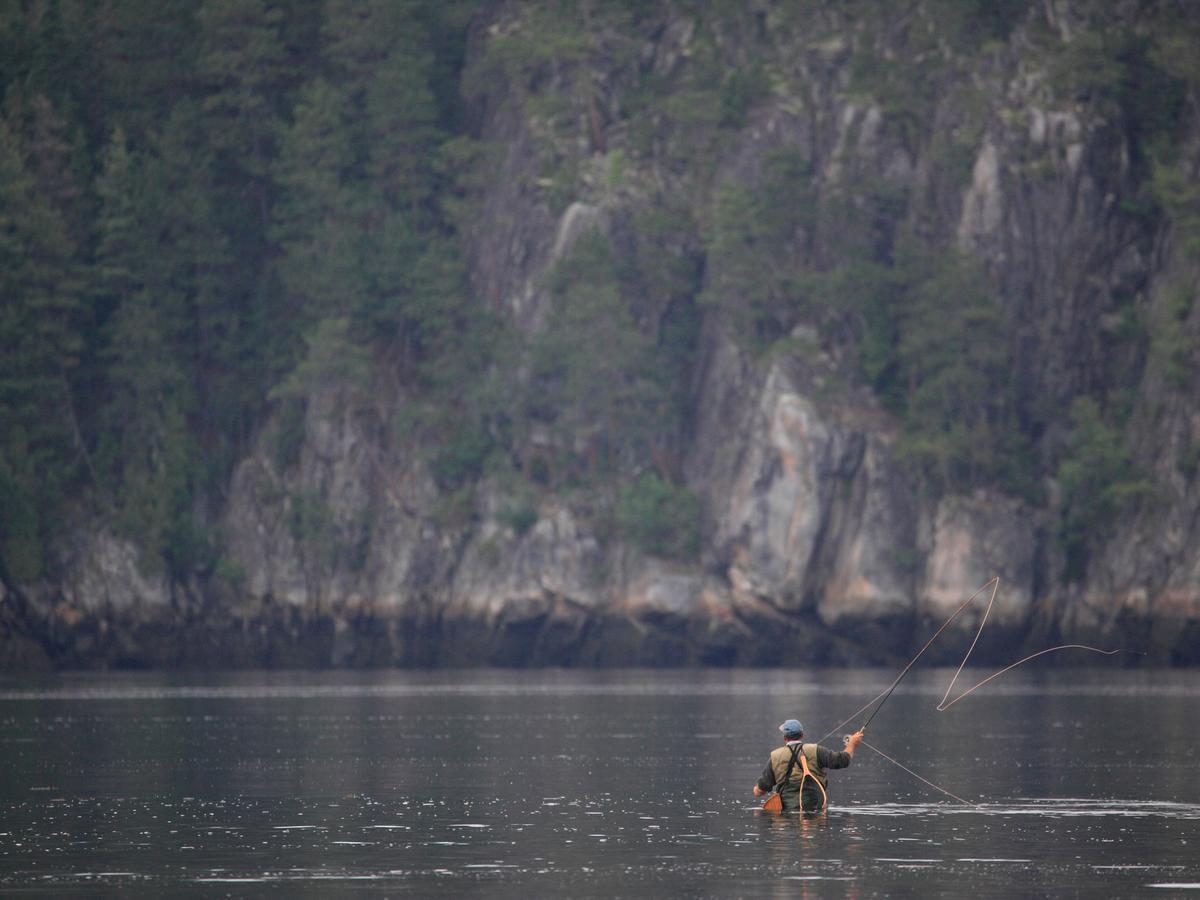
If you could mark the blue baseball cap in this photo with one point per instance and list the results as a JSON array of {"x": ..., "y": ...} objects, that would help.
[{"x": 792, "y": 728}]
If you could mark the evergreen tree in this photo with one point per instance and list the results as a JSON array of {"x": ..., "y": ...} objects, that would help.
[
  {"x": 248, "y": 74},
  {"x": 952, "y": 354},
  {"x": 52, "y": 157},
  {"x": 244, "y": 70},
  {"x": 40, "y": 439},
  {"x": 46, "y": 51},
  {"x": 144, "y": 422},
  {"x": 146, "y": 52},
  {"x": 318, "y": 221},
  {"x": 379, "y": 51},
  {"x": 591, "y": 366},
  {"x": 403, "y": 134},
  {"x": 359, "y": 233},
  {"x": 206, "y": 284},
  {"x": 1099, "y": 481},
  {"x": 176, "y": 375},
  {"x": 757, "y": 246}
]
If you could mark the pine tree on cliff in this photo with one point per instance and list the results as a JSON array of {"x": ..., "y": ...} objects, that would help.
[
  {"x": 245, "y": 75},
  {"x": 356, "y": 221},
  {"x": 144, "y": 447},
  {"x": 40, "y": 439}
]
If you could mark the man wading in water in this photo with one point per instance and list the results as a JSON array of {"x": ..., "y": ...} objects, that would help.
[{"x": 799, "y": 769}]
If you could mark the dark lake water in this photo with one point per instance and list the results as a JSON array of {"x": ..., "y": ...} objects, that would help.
[{"x": 557, "y": 783}]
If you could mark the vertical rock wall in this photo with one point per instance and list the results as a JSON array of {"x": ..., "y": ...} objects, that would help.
[{"x": 818, "y": 545}]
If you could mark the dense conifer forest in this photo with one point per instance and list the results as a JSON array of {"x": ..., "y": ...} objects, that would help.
[
  {"x": 210, "y": 209},
  {"x": 205, "y": 206}
]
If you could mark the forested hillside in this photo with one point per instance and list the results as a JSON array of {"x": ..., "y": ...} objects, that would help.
[
  {"x": 204, "y": 205},
  {"x": 402, "y": 331}
]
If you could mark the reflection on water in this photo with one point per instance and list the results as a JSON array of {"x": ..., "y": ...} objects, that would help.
[{"x": 591, "y": 783}]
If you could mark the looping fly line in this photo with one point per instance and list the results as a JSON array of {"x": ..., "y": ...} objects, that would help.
[
  {"x": 919, "y": 777},
  {"x": 945, "y": 703}
]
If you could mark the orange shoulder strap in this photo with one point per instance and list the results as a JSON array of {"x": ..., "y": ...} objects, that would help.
[{"x": 808, "y": 774}]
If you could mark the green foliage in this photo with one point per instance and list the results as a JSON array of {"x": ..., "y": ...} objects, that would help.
[
  {"x": 520, "y": 514},
  {"x": 460, "y": 456},
  {"x": 466, "y": 370},
  {"x": 21, "y": 545},
  {"x": 1189, "y": 459},
  {"x": 242, "y": 65},
  {"x": 595, "y": 376},
  {"x": 1098, "y": 480},
  {"x": 360, "y": 169},
  {"x": 863, "y": 219},
  {"x": 952, "y": 356},
  {"x": 263, "y": 215},
  {"x": 322, "y": 537},
  {"x": 548, "y": 36},
  {"x": 661, "y": 275},
  {"x": 210, "y": 212},
  {"x": 905, "y": 96},
  {"x": 870, "y": 290},
  {"x": 192, "y": 548},
  {"x": 1174, "y": 37},
  {"x": 904, "y": 79},
  {"x": 231, "y": 573},
  {"x": 662, "y": 263},
  {"x": 333, "y": 359},
  {"x": 978, "y": 22},
  {"x": 756, "y": 238},
  {"x": 1132, "y": 75},
  {"x": 317, "y": 216},
  {"x": 563, "y": 44},
  {"x": 660, "y": 518},
  {"x": 1171, "y": 347},
  {"x": 464, "y": 168},
  {"x": 1179, "y": 197},
  {"x": 309, "y": 519},
  {"x": 685, "y": 119},
  {"x": 401, "y": 113},
  {"x": 289, "y": 432},
  {"x": 933, "y": 341},
  {"x": 560, "y": 179},
  {"x": 42, "y": 341},
  {"x": 741, "y": 89},
  {"x": 145, "y": 445},
  {"x": 910, "y": 59}
]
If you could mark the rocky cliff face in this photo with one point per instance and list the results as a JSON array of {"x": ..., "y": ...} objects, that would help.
[{"x": 818, "y": 544}]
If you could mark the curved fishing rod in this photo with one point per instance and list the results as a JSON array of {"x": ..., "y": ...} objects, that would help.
[
  {"x": 995, "y": 585},
  {"x": 887, "y": 692},
  {"x": 943, "y": 705}
]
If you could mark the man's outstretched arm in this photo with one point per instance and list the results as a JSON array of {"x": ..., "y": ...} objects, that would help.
[
  {"x": 765, "y": 782},
  {"x": 839, "y": 759}
]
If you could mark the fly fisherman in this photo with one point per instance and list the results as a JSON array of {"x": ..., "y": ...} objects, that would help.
[{"x": 800, "y": 769}]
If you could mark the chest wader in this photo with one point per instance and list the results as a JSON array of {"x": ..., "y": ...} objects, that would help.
[{"x": 774, "y": 803}]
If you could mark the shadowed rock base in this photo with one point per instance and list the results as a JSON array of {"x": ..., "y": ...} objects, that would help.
[{"x": 280, "y": 637}]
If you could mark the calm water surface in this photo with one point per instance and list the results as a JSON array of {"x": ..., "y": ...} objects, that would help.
[{"x": 635, "y": 784}]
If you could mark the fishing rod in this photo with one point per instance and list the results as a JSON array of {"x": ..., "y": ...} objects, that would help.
[
  {"x": 945, "y": 703},
  {"x": 995, "y": 586},
  {"x": 887, "y": 692}
]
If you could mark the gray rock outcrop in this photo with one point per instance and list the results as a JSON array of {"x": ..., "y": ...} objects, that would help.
[{"x": 817, "y": 542}]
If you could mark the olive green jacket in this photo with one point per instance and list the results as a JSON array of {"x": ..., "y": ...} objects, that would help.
[{"x": 820, "y": 759}]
